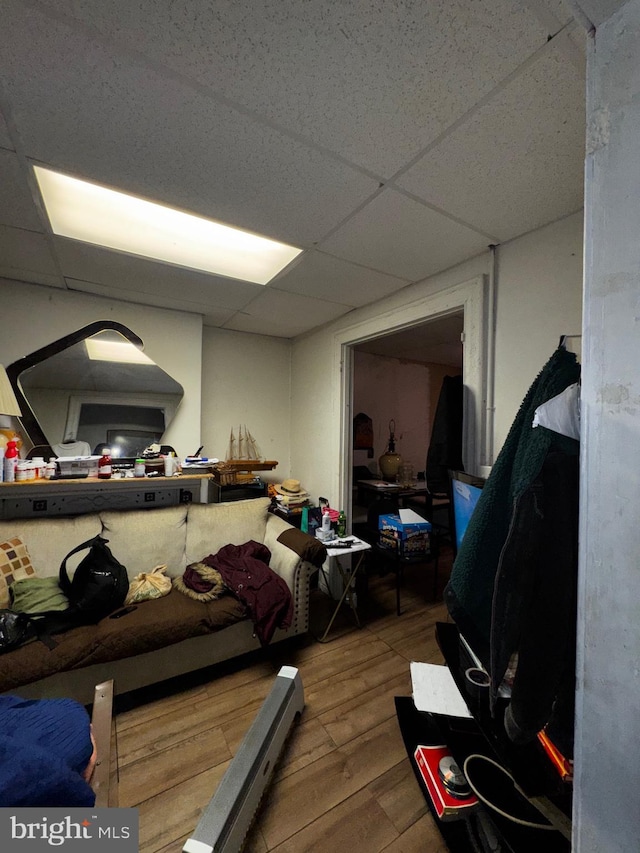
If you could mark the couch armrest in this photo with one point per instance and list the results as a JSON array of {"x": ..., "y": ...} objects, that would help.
[
  {"x": 284, "y": 561},
  {"x": 292, "y": 569}
]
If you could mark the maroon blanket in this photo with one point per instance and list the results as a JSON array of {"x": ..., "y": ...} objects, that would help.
[{"x": 246, "y": 573}]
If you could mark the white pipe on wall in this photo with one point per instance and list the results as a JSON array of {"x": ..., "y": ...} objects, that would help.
[{"x": 487, "y": 452}]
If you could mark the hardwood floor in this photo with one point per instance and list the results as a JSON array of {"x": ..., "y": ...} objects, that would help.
[{"x": 343, "y": 781}]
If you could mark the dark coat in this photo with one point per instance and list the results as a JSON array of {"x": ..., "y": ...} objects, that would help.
[
  {"x": 246, "y": 573},
  {"x": 534, "y": 606}
]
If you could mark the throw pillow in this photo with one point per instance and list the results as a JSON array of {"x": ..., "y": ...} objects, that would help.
[
  {"x": 15, "y": 565},
  {"x": 37, "y": 595}
]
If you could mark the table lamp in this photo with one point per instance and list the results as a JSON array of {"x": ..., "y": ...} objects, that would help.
[{"x": 390, "y": 461}]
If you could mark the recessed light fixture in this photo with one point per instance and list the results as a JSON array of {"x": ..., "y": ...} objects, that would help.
[
  {"x": 121, "y": 351},
  {"x": 116, "y": 220}
]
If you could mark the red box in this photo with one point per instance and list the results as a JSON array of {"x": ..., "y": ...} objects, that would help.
[{"x": 447, "y": 807}]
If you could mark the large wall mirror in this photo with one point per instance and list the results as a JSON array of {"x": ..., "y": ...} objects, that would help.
[{"x": 94, "y": 388}]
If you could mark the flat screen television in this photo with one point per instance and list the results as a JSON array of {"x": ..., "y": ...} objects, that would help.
[{"x": 465, "y": 491}]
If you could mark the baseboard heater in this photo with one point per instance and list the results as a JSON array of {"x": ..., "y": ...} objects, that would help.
[{"x": 226, "y": 820}]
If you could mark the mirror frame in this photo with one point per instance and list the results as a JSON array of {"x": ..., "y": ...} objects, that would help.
[{"x": 30, "y": 424}]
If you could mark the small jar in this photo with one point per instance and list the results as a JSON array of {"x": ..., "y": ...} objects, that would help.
[
  {"x": 22, "y": 471},
  {"x": 104, "y": 465},
  {"x": 50, "y": 469},
  {"x": 139, "y": 469}
]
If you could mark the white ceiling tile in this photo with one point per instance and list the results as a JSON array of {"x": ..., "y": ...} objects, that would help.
[
  {"x": 578, "y": 39},
  {"x": 552, "y": 14},
  {"x": 274, "y": 116},
  {"x": 125, "y": 272},
  {"x": 599, "y": 10},
  {"x": 5, "y": 138},
  {"x": 400, "y": 236},
  {"x": 16, "y": 202},
  {"x": 284, "y": 314},
  {"x": 151, "y": 134},
  {"x": 373, "y": 80},
  {"x": 335, "y": 280},
  {"x": 218, "y": 316},
  {"x": 517, "y": 163},
  {"x": 26, "y": 256}
]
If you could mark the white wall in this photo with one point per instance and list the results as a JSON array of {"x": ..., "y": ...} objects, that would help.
[
  {"x": 285, "y": 393},
  {"x": 387, "y": 388},
  {"x": 608, "y": 673},
  {"x": 34, "y": 316},
  {"x": 246, "y": 380},
  {"x": 540, "y": 272},
  {"x": 539, "y": 298}
]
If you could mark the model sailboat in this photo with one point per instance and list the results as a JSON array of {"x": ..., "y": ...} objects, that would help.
[
  {"x": 243, "y": 456},
  {"x": 244, "y": 449}
]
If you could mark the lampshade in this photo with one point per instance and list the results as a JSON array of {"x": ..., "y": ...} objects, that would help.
[{"x": 8, "y": 403}]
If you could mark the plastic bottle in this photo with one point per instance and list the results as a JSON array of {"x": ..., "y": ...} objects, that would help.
[
  {"x": 104, "y": 465},
  {"x": 50, "y": 469},
  {"x": 304, "y": 521},
  {"x": 342, "y": 524},
  {"x": 168, "y": 465},
  {"x": 1, "y": 464},
  {"x": 10, "y": 462},
  {"x": 38, "y": 462},
  {"x": 139, "y": 469}
]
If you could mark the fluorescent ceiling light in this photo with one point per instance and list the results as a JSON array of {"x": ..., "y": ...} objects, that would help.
[
  {"x": 121, "y": 351},
  {"x": 105, "y": 217}
]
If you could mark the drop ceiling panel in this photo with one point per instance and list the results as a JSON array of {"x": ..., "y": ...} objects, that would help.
[
  {"x": 284, "y": 118},
  {"x": 599, "y": 10},
  {"x": 176, "y": 303},
  {"x": 5, "y": 138},
  {"x": 149, "y": 278},
  {"x": 517, "y": 163},
  {"x": 400, "y": 236},
  {"x": 16, "y": 202},
  {"x": 552, "y": 14},
  {"x": 26, "y": 256},
  {"x": 284, "y": 314},
  {"x": 373, "y": 81},
  {"x": 149, "y": 133},
  {"x": 334, "y": 280}
]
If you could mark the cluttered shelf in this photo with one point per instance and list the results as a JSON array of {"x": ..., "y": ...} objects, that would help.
[
  {"x": 41, "y": 498},
  {"x": 514, "y": 796}
]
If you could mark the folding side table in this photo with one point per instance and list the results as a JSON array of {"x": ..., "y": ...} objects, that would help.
[{"x": 358, "y": 551}]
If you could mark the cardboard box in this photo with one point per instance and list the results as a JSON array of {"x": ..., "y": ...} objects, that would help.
[
  {"x": 407, "y": 533},
  {"x": 79, "y": 465}
]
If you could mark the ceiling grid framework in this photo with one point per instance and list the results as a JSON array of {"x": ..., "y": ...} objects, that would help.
[{"x": 389, "y": 140}]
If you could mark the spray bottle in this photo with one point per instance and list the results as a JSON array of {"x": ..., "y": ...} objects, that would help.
[{"x": 10, "y": 462}]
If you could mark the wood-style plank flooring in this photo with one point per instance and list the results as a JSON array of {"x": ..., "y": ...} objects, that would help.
[{"x": 343, "y": 781}]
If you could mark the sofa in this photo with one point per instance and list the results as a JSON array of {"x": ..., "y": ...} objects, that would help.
[{"x": 163, "y": 637}]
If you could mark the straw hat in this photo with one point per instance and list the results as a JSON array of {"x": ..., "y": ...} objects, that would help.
[{"x": 290, "y": 488}]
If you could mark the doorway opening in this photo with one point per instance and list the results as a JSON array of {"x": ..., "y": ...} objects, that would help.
[
  {"x": 397, "y": 382},
  {"x": 466, "y": 301}
]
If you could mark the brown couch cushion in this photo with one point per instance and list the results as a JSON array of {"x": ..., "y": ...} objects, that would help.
[{"x": 154, "y": 624}]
